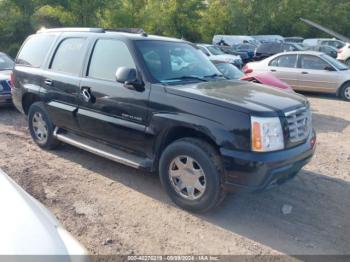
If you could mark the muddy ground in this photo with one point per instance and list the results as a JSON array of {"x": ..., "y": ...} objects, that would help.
[{"x": 113, "y": 209}]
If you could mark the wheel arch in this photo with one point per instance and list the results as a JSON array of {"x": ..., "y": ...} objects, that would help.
[
  {"x": 28, "y": 99},
  {"x": 181, "y": 131},
  {"x": 347, "y": 82}
]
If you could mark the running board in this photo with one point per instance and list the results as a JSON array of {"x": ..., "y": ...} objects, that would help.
[{"x": 103, "y": 150}]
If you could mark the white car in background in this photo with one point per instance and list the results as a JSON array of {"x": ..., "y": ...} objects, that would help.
[
  {"x": 28, "y": 228},
  {"x": 337, "y": 44},
  {"x": 344, "y": 54},
  {"x": 215, "y": 54},
  {"x": 306, "y": 71}
]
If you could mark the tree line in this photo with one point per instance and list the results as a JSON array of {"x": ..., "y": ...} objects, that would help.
[{"x": 194, "y": 20}]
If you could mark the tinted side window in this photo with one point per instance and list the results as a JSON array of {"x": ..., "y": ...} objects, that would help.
[
  {"x": 313, "y": 62},
  {"x": 69, "y": 56},
  {"x": 34, "y": 50},
  {"x": 107, "y": 57},
  {"x": 284, "y": 61}
]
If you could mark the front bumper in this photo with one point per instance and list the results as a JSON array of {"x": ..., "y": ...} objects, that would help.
[
  {"x": 251, "y": 171},
  {"x": 5, "y": 99}
]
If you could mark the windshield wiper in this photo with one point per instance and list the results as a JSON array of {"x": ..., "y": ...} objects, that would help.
[
  {"x": 184, "y": 78},
  {"x": 214, "y": 76}
]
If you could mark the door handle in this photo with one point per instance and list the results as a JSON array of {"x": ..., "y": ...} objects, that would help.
[
  {"x": 48, "y": 82},
  {"x": 273, "y": 70},
  {"x": 86, "y": 93},
  {"x": 304, "y": 73}
]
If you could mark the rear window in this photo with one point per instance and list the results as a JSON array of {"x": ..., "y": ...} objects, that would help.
[
  {"x": 6, "y": 63},
  {"x": 269, "y": 48},
  {"x": 69, "y": 56},
  {"x": 34, "y": 50},
  {"x": 284, "y": 61}
]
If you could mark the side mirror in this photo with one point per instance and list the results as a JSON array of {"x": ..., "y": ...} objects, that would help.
[
  {"x": 329, "y": 68},
  {"x": 129, "y": 77}
]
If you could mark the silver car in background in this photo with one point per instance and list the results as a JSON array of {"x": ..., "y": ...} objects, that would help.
[
  {"x": 28, "y": 228},
  {"x": 307, "y": 71}
]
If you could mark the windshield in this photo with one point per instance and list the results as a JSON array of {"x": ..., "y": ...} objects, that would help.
[
  {"x": 338, "y": 65},
  {"x": 215, "y": 50},
  {"x": 6, "y": 63},
  {"x": 299, "y": 47},
  {"x": 170, "y": 62},
  {"x": 230, "y": 71}
]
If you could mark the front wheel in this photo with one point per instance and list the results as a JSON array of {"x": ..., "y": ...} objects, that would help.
[
  {"x": 347, "y": 62},
  {"x": 345, "y": 92},
  {"x": 191, "y": 173}
]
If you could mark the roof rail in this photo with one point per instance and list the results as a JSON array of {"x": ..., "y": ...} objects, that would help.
[
  {"x": 72, "y": 29},
  {"x": 129, "y": 30}
]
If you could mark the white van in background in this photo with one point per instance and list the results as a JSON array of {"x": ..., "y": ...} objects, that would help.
[
  {"x": 269, "y": 38},
  {"x": 234, "y": 40},
  {"x": 323, "y": 41}
]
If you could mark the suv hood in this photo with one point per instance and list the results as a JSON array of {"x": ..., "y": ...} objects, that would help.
[{"x": 250, "y": 98}]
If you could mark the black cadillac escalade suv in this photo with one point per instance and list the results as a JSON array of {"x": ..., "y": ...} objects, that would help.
[{"x": 159, "y": 104}]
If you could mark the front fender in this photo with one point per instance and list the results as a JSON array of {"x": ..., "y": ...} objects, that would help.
[{"x": 220, "y": 134}]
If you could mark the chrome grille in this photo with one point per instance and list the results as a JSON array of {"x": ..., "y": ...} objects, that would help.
[{"x": 299, "y": 124}]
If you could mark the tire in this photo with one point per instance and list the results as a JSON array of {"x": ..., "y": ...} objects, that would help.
[
  {"x": 203, "y": 160},
  {"x": 347, "y": 62},
  {"x": 345, "y": 92},
  {"x": 40, "y": 126}
]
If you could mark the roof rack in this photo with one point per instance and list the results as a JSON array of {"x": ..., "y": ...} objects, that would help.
[
  {"x": 72, "y": 29},
  {"x": 129, "y": 30}
]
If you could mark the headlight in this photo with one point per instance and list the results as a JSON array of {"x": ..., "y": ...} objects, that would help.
[{"x": 267, "y": 134}]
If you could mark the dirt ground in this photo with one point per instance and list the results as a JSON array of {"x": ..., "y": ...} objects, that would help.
[{"x": 113, "y": 209}]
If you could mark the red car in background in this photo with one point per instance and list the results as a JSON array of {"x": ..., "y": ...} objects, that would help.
[{"x": 231, "y": 72}]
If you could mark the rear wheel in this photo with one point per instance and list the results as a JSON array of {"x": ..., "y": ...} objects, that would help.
[
  {"x": 191, "y": 172},
  {"x": 40, "y": 126},
  {"x": 345, "y": 92}
]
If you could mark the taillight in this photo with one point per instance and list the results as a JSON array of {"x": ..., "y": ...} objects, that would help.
[
  {"x": 12, "y": 82},
  {"x": 247, "y": 70}
]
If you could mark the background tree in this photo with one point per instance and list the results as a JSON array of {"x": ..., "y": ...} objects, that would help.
[{"x": 194, "y": 20}]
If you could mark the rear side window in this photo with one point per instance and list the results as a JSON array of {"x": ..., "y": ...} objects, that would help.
[
  {"x": 34, "y": 50},
  {"x": 284, "y": 61},
  {"x": 107, "y": 57},
  {"x": 69, "y": 56}
]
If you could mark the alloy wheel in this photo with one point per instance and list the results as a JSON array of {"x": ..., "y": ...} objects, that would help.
[
  {"x": 40, "y": 127},
  {"x": 187, "y": 177},
  {"x": 347, "y": 92}
]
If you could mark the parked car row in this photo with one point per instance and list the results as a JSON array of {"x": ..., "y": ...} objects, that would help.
[
  {"x": 307, "y": 71},
  {"x": 267, "y": 45}
]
